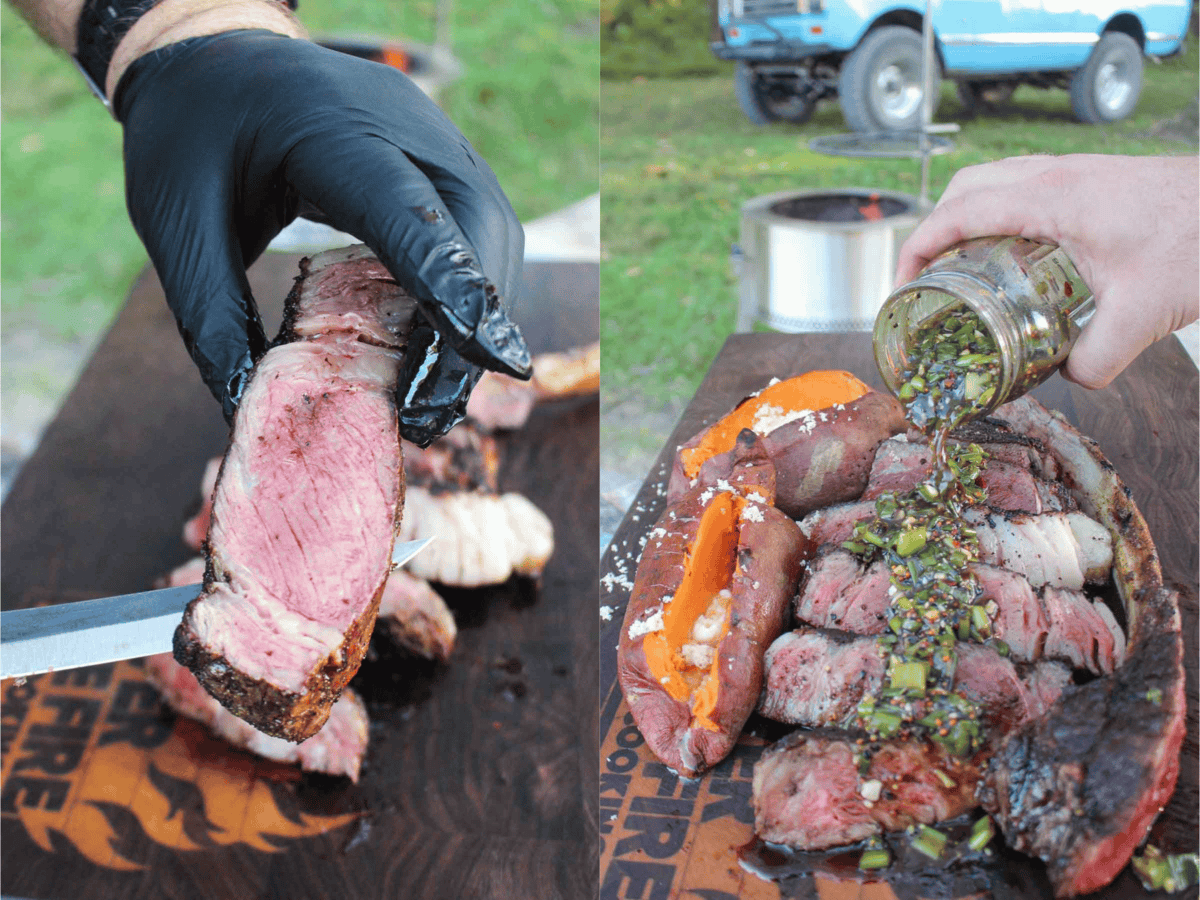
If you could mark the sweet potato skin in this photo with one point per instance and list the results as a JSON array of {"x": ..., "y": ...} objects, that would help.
[
  {"x": 830, "y": 461},
  {"x": 770, "y": 551},
  {"x": 821, "y": 459}
]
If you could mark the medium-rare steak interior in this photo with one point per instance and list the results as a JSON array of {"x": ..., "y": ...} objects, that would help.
[{"x": 307, "y": 504}]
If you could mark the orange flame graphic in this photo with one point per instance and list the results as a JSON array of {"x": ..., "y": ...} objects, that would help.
[{"x": 87, "y": 755}]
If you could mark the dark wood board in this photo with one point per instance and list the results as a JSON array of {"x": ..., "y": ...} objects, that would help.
[
  {"x": 1146, "y": 422},
  {"x": 480, "y": 778}
]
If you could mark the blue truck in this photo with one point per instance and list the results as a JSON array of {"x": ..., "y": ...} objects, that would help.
[{"x": 792, "y": 53}]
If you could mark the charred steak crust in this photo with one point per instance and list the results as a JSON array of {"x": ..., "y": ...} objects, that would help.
[
  {"x": 1079, "y": 788},
  {"x": 376, "y": 312},
  {"x": 271, "y": 709}
]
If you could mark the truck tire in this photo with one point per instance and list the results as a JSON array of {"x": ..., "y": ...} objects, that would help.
[
  {"x": 1107, "y": 87},
  {"x": 763, "y": 103},
  {"x": 879, "y": 86}
]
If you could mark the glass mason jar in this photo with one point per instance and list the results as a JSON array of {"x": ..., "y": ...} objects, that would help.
[{"x": 1028, "y": 294}]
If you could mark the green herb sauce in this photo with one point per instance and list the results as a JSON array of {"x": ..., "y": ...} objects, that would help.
[{"x": 920, "y": 535}]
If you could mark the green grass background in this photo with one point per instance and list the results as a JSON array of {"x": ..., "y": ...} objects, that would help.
[
  {"x": 528, "y": 100},
  {"x": 678, "y": 159}
]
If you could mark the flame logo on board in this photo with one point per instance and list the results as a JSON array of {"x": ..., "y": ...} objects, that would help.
[{"x": 88, "y": 756}]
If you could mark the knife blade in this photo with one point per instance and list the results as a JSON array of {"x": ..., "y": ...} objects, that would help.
[{"x": 91, "y": 632}]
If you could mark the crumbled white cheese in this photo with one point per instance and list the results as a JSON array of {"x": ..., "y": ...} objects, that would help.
[
  {"x": 606, "y": 613},
  {"x": 647, "y": 626},
  {"x": 610, "y": 581},
  {"x": 706, "y": 495},
  {"x": 871, "y": 790},
  {"x": 752, "y": 513},
  {"x": 698, "y": 655},
  {"x": 723, "y": 485},
  {"x": 767, "y": 418}
]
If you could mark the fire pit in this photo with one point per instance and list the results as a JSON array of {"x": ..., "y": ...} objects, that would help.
[{"x": 820, "y": 260}]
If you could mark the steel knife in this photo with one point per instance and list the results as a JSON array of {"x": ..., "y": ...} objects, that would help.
[{"x": 91, "y": 632}]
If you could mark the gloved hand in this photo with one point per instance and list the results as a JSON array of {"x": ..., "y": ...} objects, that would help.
[{"x": 226, "y": 137}]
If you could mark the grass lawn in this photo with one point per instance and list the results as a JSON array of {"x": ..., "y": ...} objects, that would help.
[
  {"x": 528, "y": 100},
  {"x": 679, "y": 159}
]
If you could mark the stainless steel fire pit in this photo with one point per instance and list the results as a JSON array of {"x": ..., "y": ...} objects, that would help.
[{"x": 820, "y": 260}]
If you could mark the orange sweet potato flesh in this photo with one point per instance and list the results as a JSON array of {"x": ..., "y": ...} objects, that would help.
[
  {"x": 814, "y": 390},
  {"x": 821, "y": 459},
  {"x": 710, "y": 541}
]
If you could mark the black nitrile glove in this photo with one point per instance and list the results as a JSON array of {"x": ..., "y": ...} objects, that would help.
[{"x": 228, "y": 136}]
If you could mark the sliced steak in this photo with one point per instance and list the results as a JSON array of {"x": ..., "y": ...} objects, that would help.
[
  {"x": 808, "y": 792},
  {"x": 835, "y": 524},
  {"x": 1000, "y": 441},
  {"x": 839, "y": 592},
  {"x": 1081, "y": 788},
  {"x": 1064, "y": 550},
  {"x": 415, "y": 616},
  {"x": 306, "y": 505},
  {"x": 901, "y": 464},
  {"x": 337, "y": 749},
  {"x": 1049, "y": 623},
  {"x": 816, "y": 677},
  {"x": 1059, "y": 549}
]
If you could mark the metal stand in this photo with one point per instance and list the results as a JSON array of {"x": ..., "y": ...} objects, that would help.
[{"x": 921, "y": 144}]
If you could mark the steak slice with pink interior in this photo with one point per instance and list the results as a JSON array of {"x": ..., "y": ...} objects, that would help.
[
  {"x": 817, "y": 677},
  {"x": 808, "y": 792},
  {"x": 1046, "y": 623},
  {"x": 307, "y": 504}
]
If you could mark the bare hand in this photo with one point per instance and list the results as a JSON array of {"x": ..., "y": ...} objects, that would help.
[{"x": 1128, "y": 223}]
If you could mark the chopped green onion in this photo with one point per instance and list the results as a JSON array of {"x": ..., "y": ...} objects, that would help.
[
  {"x": 982, "y": 833},
  {"x": 911, "y": 541},
  {"x": 929, "y": 841},
  {"x": 874, "y": 859},
  {"x": 909, "y": 676}
]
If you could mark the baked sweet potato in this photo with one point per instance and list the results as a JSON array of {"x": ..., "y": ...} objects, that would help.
[
  {"x": 711, "y": 592},
  {"x": 821, "y": 429},
  {"x": 761, "y": 413}
]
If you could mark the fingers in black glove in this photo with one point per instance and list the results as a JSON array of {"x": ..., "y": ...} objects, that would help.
[
  {"x": 434, "y": 386},
  {"x": 224, "y": 136}
]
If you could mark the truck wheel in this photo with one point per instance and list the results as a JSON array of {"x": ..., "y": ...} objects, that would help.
[
  {"x": 765, "y": 101},
  {"x": 879, "y": 86},
  {"x": 984, "y": 96},
  {"x": 1107, "y": 88}
]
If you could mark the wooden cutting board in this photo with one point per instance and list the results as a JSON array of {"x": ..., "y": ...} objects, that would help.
[
  {"x": 479, "y": 780},
  {"x": 662, "y": 836}
]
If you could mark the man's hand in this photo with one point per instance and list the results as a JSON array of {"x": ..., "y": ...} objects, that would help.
[
  {"x": 1128, "y": 223},
  {"x": 228, "y": 136}
]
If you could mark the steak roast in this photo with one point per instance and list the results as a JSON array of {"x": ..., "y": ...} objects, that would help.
[
  {"x": 1078, "y": 776},
  {"x": 307, "y": 504}
]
